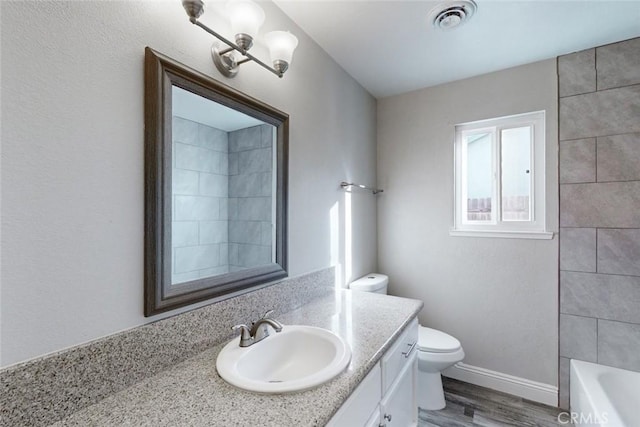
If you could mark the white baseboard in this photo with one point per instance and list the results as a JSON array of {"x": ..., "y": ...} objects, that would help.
[{"x": 532, "y": 390}]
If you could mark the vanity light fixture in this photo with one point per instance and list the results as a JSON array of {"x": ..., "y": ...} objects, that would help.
[{"x": 246, "y": 18}]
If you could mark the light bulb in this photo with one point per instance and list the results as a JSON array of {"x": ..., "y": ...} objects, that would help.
[
  {"x": 281, "y": 46},
  {"x": 246, "y": 17}
]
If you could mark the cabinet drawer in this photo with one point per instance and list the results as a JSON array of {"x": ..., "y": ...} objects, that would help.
[{"x": 399, "y": 355}]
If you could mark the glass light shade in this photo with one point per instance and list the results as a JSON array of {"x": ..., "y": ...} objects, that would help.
[
  {"x": 281, "y": 45},
  {"x": 246, "y": 17}
]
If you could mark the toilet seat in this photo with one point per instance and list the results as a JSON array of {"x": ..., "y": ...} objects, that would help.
[{"x": 435, "y": 341}]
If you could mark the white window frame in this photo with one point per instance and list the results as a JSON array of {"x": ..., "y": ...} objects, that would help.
[{"x": 496, "y": 227}]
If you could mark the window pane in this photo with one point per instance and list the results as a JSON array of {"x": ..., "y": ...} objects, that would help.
[
  {"x": 479, "y": 177},
  {"x": 516, "y": 174}
]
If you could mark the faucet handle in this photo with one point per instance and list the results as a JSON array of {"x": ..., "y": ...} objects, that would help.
[
  {"x": 267, "y": 314},
  {"x": 245, "y": 334}
]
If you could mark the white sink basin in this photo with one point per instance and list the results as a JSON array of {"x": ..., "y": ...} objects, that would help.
[{"x": 295, "y": 359}]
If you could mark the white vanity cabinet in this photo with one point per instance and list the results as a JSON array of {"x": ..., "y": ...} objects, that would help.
[{"x": 387, "y": 395}]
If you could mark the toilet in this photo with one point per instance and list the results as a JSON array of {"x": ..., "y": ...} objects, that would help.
[{"x": 436, "y": 350}]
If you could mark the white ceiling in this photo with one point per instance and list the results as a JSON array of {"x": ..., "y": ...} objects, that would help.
[
  {"x": 390, "y": 48},
  {"x": 202, "y": 110}
]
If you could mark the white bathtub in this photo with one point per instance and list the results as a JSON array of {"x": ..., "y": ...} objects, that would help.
[{"x": 604, "y": 396}]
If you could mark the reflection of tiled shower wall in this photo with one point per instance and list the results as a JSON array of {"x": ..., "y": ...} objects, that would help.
[
  {"x": 600, "y": 208},
  {"x": 200, "y": 190},
  {"x": 250, "y": 203}
]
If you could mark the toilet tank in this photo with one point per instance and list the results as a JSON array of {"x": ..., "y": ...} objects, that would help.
[{"x": 372, "y": 282}]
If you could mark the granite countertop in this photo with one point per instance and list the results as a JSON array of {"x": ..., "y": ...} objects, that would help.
[{"x": 192, "y": 393}]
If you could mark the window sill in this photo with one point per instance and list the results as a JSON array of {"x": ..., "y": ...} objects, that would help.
[{"x": 538, "y": 235}]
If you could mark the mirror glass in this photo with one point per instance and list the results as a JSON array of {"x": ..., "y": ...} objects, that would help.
[
  {"x": 222, "y": 189},
  {"x": 215, "y": 188}
]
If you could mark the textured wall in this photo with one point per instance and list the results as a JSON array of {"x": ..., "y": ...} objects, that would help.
[
  {"x": 73, "y": 171},
  {"x": 600, "y": 208},
  {"x": 497, "y": 296}
]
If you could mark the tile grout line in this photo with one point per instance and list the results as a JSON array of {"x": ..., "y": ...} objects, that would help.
[
  {"x": 603, "y": 274},
  {"x": 602, "y": 90},
  {"x": 595, "y": 65},
  {"x": 602, "y": 228},
  {"x": 596, "y": 251},
  {"x": 600, "y": 319},
  {"x": 600, "y": 182},
  {"x": 599, "y": 136},
  {"x": 596, "y": 159},
  {"x": 597, "y": 340}
]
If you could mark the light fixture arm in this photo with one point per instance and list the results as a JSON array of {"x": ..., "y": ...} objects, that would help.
[
  {"x": 195, "y": 8},
  {"x": 225, "y": 51},
  {"x": 233, "y": 46}
]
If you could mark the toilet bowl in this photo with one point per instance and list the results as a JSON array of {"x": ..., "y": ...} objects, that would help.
[{"x": 436, "y": 350}]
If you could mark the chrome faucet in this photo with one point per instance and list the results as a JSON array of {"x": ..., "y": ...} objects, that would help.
[{"x": 259, "y": 330}]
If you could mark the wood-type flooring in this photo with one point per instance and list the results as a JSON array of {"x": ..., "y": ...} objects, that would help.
[{"x": 471, "y": 405}]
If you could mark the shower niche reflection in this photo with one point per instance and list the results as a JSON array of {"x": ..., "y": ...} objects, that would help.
[{"x": 222, "y": 187}]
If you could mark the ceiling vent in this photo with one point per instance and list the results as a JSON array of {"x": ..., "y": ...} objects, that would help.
[{"x": 446, "y": 16}]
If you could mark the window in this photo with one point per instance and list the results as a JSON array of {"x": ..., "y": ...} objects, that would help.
[{"x": 500, "y": 177}]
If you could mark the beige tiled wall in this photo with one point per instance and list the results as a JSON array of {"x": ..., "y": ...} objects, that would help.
[
  {"x": 599, "y": 208},
  {"x": 200, "y": 187},
  {"x": 250, "y": 201},
  {"x": 222, "y": 186}
]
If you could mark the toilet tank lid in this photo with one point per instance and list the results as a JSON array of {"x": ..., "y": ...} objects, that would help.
[
  {"x": 370, "y": 283},
  {"x": 435, "y": 341}
]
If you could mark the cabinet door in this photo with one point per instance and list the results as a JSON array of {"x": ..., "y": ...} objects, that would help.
[
  {"x": 358, "y": 408},
  {"x": 374, "y": 421},
  {"x": 399, "y": 407}
]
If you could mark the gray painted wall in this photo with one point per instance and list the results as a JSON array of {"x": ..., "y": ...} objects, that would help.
[
  {"x": 72, "y": 161},
  {"x": 498, "y": 296},
  {"x": 599, "y": 208}
]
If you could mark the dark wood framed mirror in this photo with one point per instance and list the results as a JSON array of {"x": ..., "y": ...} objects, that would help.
[{"x": 215, "y": 188}]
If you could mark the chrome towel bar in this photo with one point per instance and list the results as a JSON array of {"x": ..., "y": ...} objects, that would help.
[{"x": 347, "y": 186}]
